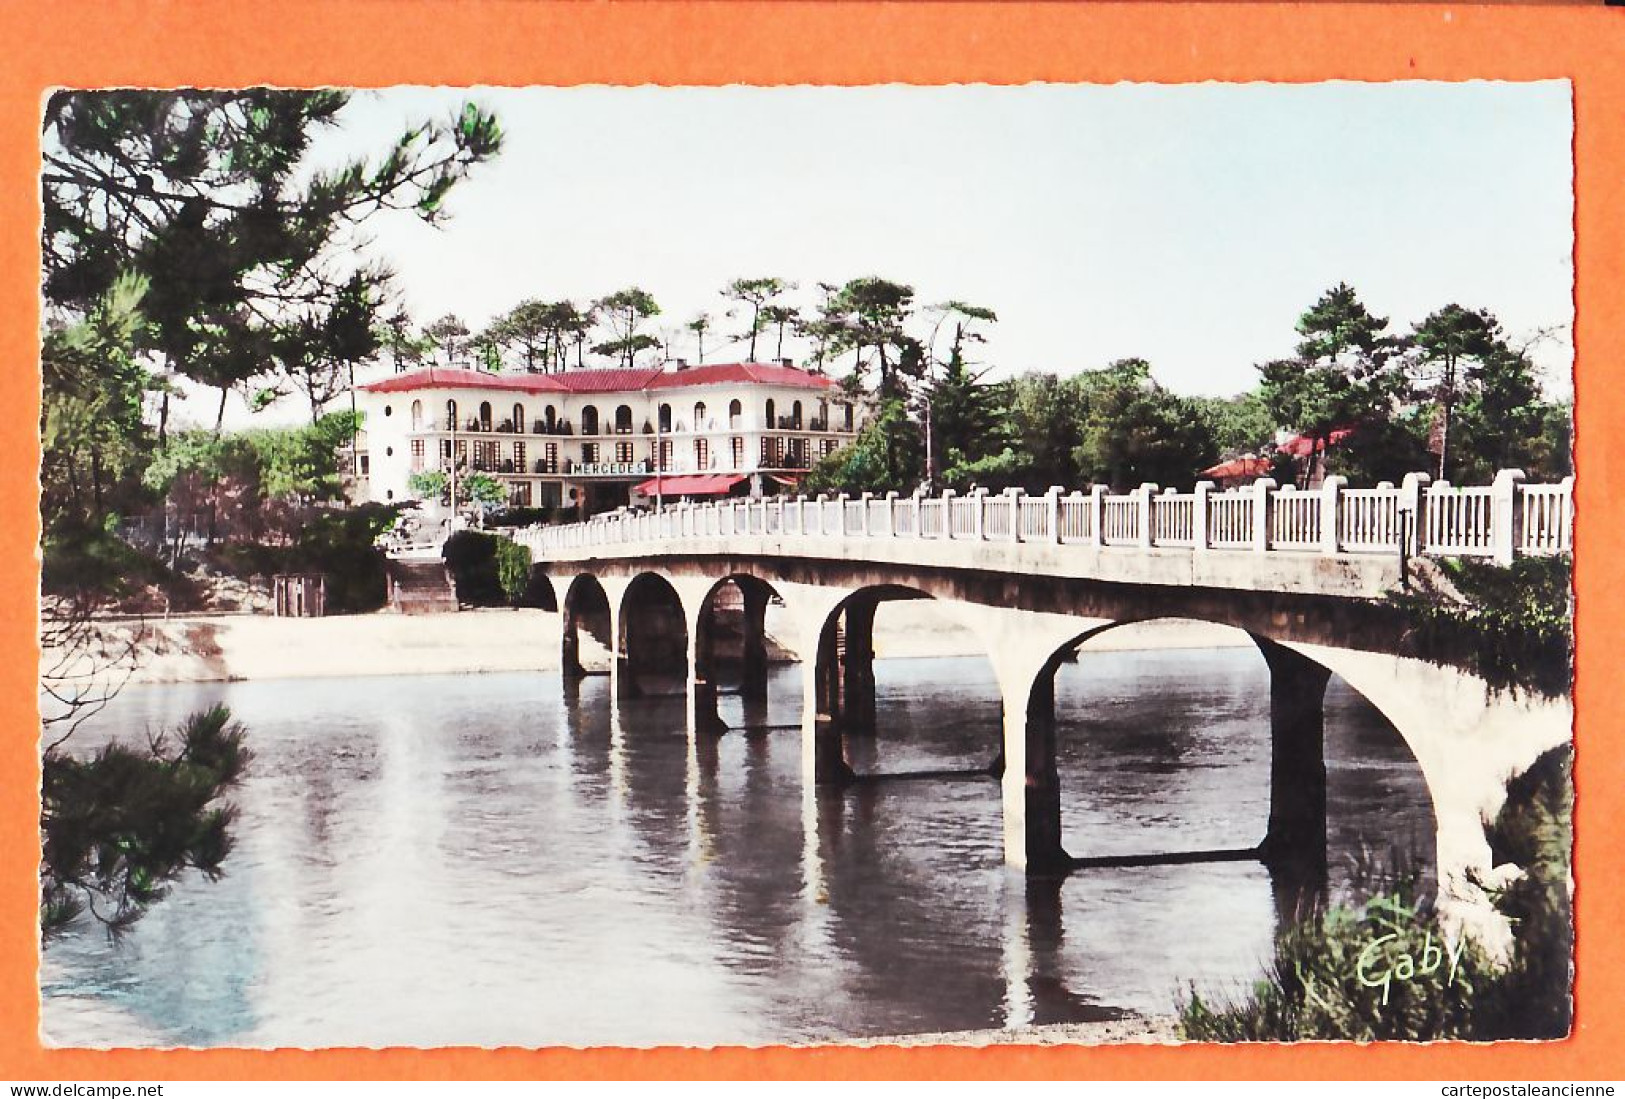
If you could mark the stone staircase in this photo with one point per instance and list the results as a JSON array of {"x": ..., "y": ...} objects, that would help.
[{"x": 420, "y": 586}]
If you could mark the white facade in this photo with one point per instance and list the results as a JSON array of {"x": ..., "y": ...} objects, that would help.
[{"x": 589, "y": 438}]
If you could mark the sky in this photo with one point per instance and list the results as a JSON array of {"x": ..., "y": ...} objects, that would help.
[{"x": 1186, "y": 224}]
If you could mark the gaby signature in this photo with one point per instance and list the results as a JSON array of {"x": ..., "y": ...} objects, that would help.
[{"x": 1379, "y": 967}]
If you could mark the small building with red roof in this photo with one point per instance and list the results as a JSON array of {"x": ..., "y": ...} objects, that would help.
[{"x": 596, "y": 439}]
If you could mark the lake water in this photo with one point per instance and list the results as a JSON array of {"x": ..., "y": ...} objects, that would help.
[{"x": 467, "y": 860}]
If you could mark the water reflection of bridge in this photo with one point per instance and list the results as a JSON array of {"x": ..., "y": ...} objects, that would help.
[{"x": 1303, "y": 573}]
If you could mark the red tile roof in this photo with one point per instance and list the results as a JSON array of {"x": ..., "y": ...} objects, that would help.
[
  {"x": 445, "y": 377},
  {"x": 605, "y": 380},
  {"x": 1239, "y": 467},
  {"x": 595, "y": 380},
  {"x": 704, "y": 484},
  {"x": 761, "y": 373},
  {"x": 1300, "y": 446}
]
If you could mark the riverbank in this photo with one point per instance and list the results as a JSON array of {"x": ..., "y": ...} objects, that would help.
[
  {"x": 1135, "y": 1030},
  {"x": 238, "y": 647},
  {"x": 208, "y": 648}
]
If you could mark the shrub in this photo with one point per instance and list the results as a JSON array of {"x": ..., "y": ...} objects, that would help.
[
  {"x": 472, "y": 559},
  {"x": 1315, "y": 990},
  {"x": 342, "y": 546},
  {"x": 85, "y": 560},
  {"x": 1379, "y": 970},
  {"x": 513, "y": 569},
  {"x": 1509, "y": 624}
]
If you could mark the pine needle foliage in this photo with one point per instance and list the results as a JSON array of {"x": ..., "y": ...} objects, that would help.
[{"x": 123, "y": 825}]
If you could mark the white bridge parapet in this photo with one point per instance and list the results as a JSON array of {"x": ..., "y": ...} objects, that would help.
[{"x": 1500, "y": 521}]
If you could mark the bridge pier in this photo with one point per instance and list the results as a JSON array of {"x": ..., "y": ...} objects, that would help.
[
  {"x": 828, "y": 733},
  {"x": 753, "y": 670},
  {"x": 587, "y": 605},
  {"x": 843, "y": 686},
  {"x": 570, "y": 655},
  {"x": 1039, "y": 826},
  {"x": 857, "y": 658},
  {"x": 1295, "y": 840},
  {"x": 702, "y": 683}
]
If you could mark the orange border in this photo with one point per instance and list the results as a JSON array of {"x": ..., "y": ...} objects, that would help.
[{"x": 382, "y": 42}]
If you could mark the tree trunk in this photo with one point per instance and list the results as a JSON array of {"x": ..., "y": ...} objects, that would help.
[
  {"x": 355, "y": 428},
  {"x": 1449, "y": 400}
]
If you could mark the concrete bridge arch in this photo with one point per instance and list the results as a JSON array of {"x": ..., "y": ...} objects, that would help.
[{"x": 1466, "y": 740}]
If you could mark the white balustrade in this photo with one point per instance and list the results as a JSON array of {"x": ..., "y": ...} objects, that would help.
[
  {"x": 1295, "y": 519},
  {"x": 1035, "y": 518},
  {"x": 833, "y": 514},
  {"x": 906, "y": 518},
  {"x": 1173, "y": 519},
  {"x": 1459, "y": 521},
  {"x": 879, "y": 519},
  {"x": 1547, "y": 518},
  {"x": 1369, "y": 520},
  {"x": 854, "y": 516},
  {"x": 1120, "y": 525},
  {"x": 1230, "y": 519},
  {"x": 1077, "y": 519},
  {"x": 933, "y": 518},
  {"x": 998, "y": 518},
  {"x": 1500, "y": 521}
]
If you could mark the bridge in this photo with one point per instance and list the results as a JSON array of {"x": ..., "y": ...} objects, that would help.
[{"x": 1304, "y": 573}]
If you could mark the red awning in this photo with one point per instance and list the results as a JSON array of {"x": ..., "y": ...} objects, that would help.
[{"x": 706, "y": 484}]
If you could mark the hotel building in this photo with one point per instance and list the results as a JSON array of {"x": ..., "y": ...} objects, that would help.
[{"x": 598, "y": 439}]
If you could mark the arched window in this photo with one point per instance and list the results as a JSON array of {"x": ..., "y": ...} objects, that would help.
[
  {"x": 665, "y": 418},
  {"x": 699, "y": 415},
  {"x": 485, "y": 415},
  {"x": 551, "y": 415},
  {"x": 770, "y": 421},
  {"x": 451, "y": 415},
  {"x": 519, "y": 417},
  {"x": 823, "y": 415},
  {"x": 623, "y": 419},
  {"x": 735, "y": 410},
  {"x": 417, "y": 415},
  {"x": 589, "y": 420},
  {"x": 795, "y": 415},
  {"x": 846, "y": 413}
]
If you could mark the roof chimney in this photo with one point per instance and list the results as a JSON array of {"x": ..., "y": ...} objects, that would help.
[
  {"x": 787, "y": 362},
  {"x": 679, "y": 364}
]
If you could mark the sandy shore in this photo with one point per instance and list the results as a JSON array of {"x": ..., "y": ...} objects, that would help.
[
  {"x": 1136, "y": 1030},
  {"x": 228, "y": 647}
]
